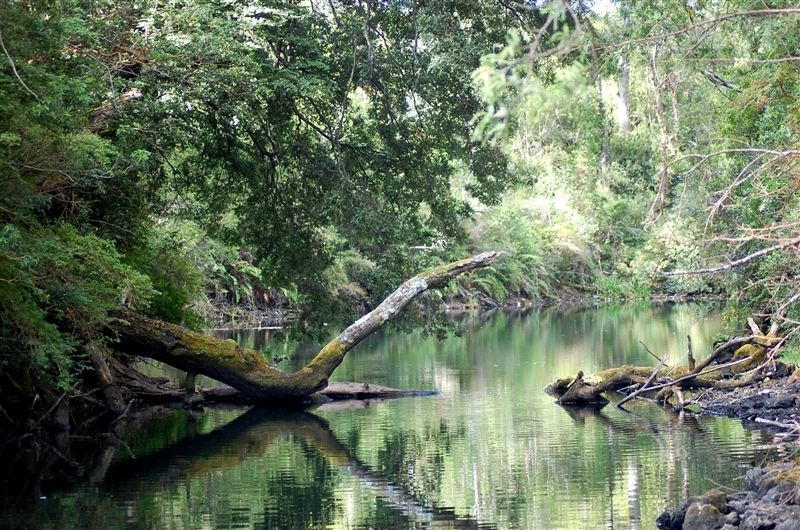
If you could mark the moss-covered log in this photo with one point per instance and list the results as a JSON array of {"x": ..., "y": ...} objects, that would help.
[
  {"x": 248, "y": 370},
  {"x": 737, "y": 356}
]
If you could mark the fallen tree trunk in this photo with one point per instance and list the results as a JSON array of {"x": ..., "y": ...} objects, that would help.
[
  {"x": 749, "y": 354},
  {"x": 248, "y": 370}
]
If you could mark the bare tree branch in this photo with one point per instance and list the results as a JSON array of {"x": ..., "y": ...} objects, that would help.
[
  {"x": 714, "y": 22},
  {"x": 248, "y": 370},
  {"x": 14, "y": 68},
  {"x": 790, "y": 243}
]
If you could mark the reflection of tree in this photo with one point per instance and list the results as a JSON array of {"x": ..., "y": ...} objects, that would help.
[
  {"x": 249, "y": 436},
  {"x": 615, "y": 332},
  {"x": 683, "y": 439},
  {"x": 424, "y": 453}
]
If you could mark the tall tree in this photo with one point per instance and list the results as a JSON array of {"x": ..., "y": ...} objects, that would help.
[
  {"x": 321, "y": 128},
  {"x": 722, "y": 82}
]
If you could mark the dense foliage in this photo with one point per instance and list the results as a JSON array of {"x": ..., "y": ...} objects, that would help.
[
  {"x": 664, "y": 139},
  {"x": 160, "y": 156},
  {"x": 170, "y": 156}
]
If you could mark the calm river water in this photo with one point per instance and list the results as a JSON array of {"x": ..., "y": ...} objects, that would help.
[{"x": 491, "y": 451}]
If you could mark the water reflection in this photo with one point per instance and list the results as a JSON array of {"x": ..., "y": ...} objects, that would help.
[
  {"x": 245, "y": 438},
  {"x": 298, "y": 495},
  {"x": 491, "y": 451}
]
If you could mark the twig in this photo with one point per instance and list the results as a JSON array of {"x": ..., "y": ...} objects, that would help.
[
  {"x": 693, "y": 376},
  {"x": 60, "y": 398},
  {"x": 121, "y": 416},
  {"x": 782, "y": 309},
  {"x": 713, "y": 22},
  {"x": 6, "y": 415},
  {"x": 720, "y": 486},
  {"x": 794, "y": 428},
  {"x": 670, "y": 383},
  {"x": 734, "y": 342},
  {"x": 742, "y": 261},
  {"x": 651, "y": 353},
  {"x": 14, "y": 69},
  {"x": 700, "y": 397},
  {"x": 642, "y": 388},
  {"x": 125, "y": 445}
]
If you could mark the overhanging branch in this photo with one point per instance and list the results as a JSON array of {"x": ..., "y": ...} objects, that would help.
[
  {"x": 248, "y": 370},
  {"x": 790, "y": 243}
]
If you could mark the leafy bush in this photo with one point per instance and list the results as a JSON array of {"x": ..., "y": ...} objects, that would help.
[
  {"x": 56, "y": 289},
  {"x": 176, "y": 281}
]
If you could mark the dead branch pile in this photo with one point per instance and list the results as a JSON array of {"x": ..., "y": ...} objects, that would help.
[{"x": 741, "y": 361}]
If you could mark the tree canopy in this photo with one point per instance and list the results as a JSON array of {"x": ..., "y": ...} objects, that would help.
[
  {"x": 672, "y": 131},
  {"x": 159, "y": 156},
  {"x": 320, "y": 140}
]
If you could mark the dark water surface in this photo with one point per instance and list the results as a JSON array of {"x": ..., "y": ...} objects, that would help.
[{"x": 491, "y": 451}]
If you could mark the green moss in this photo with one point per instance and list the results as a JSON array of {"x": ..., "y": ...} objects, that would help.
[
  {"x": 330, "y": 357},
  {"x": 755, "y": 352},
  {"x": 639, "y": 371},
  {"x": 791, "y": 476}
]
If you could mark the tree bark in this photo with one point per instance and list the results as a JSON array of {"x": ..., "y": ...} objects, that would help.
[
  {"x": 248, "y": 370},
  {"x": 108, "y": 387}
]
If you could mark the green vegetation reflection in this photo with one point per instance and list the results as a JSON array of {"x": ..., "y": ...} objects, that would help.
[{"x": 492, "y": 449}]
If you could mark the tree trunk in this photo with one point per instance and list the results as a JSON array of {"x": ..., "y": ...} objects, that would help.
[
  {"x": 605, "y": 148},
  {"x": 623, "y": 91},
  {"x": 108, "y": 387},
  {"x": 668, "y": 144},
  {"x": 248, "y": 370}
]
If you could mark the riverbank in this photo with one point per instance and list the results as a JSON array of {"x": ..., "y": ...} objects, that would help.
[
  {"x": 771, "y": 502},
  {"x": 772, "y": 496}
]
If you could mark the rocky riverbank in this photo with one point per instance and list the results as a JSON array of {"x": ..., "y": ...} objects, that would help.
[
  {"x": 772, "y": 498},
  {"x": 776, "y": 399},
  {"x": 771, "y": 502}
]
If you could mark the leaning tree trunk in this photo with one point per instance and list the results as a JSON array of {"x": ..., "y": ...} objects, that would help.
[{"x": 248, "y": 370}]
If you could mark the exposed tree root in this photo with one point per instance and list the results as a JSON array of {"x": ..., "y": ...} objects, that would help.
[{"x": 139, "y": 386}]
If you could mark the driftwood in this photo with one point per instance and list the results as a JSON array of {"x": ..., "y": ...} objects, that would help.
[
  {"x": 248, "y": 370},
  {"x": 336, "y": 391},
  {"x": 748, "y": 358},
  {"x": 646, "y": 385}
]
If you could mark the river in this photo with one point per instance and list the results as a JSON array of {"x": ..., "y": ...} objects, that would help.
[{"x": 490, "y": 451}]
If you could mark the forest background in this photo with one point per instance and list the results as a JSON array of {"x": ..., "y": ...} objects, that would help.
[{"x": 196, "y": 158}]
